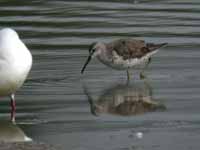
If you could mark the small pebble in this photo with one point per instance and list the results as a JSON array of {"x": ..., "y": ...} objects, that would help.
[{"x": 139, "y": 135}]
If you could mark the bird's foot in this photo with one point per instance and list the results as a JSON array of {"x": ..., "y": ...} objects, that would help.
[{"x": 13, "y": 120}]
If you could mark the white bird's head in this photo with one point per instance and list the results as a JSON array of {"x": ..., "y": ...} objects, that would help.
[
  {"x": 95, "y": 49},
  {"x": 8, "y": 33}
]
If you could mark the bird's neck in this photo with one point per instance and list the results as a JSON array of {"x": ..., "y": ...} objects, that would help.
[{"x": 104, "y": 56}]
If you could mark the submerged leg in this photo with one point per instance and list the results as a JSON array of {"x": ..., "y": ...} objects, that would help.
[
  {"x": 142, "y": 76},
  {"x": 149, "y": 61},
  {"x": 149, "y": 88},
  {"x": 13, "y": 107},
  {"x": 128, "y": 75}
]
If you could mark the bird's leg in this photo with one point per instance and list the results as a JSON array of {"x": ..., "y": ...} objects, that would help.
[
  {"x": 142, "y": 76},
  {"x": 149, "y": 61},
  {"x": 128, "y": 75},
  {"x": 13, "y": 107}
]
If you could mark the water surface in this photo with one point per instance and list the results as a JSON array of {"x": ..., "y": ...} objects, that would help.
[{"x": 54, "y": 104}]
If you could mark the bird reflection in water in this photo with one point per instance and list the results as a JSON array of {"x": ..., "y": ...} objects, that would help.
[
  {"x": 124, "y": 100},
  {"x": 10, "y": 132}
]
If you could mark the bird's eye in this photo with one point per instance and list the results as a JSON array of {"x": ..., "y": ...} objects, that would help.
[{"x": 92, "y": 51}]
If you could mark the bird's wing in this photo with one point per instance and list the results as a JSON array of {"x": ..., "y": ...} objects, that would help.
[{"x": 132, "y": 48}]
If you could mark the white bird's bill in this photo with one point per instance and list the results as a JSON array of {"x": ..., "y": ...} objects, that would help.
[{"x": 15, "y": 63}]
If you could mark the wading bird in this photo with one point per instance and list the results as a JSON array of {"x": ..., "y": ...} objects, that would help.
[{"x": 123, "y": 54}]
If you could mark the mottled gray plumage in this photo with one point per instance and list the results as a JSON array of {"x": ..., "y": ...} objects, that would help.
[
  {"x": 132, "y": 48},
  {"x": 123, "y": 54}
]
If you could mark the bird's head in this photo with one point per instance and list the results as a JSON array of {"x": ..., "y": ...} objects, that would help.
[
  {"x": 94, "y": 50},
  {"x": 8, "y": 33}
]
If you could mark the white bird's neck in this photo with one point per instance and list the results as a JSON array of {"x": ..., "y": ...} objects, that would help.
[{"x": 19, "y": 55}]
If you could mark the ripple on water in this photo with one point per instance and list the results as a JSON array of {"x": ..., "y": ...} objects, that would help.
[{"x": 52, "y": 105}]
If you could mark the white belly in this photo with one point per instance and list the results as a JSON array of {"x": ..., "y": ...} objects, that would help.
[
  {"x": 10, "y": 82},
  {"x": 12, "y": 77},
  {"x": 117, "y": 62}
]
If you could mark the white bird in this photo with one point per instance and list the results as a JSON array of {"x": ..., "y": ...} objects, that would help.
[
  {"x": 123, "y": 54},
  {"x": 15, "y": 64}
]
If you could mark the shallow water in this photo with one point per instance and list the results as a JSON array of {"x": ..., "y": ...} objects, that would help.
[{"x": 59, "y": 106}]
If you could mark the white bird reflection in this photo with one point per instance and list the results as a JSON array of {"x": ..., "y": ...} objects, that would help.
[
  {"x": 10, "y": 132},
  {"x": 124, "y": 100}
]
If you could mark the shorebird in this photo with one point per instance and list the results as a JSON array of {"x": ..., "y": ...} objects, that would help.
[
  {"x": 123, "y": 54},
  {"x": 15, "y": 64}
]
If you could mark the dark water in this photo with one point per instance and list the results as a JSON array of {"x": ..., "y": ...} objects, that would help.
[{"x": 98, "y": 111}]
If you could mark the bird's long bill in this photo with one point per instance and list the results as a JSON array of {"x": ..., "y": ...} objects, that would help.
[{"x": 86, "y": 63}]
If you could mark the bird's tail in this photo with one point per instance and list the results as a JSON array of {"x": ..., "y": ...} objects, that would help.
[{"x": 152, "y": 46}]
